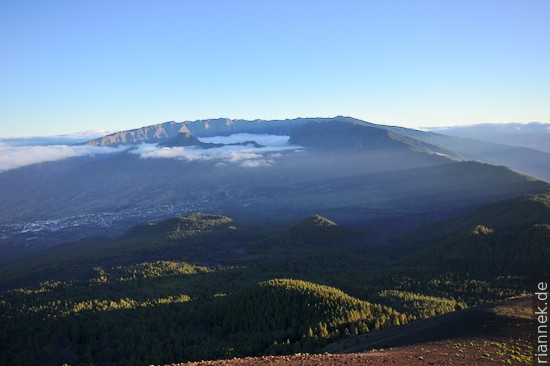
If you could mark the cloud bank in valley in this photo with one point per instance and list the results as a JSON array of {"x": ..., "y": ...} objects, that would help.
[
  {"x": 262, "y": 139},
  {"x": 67, "y": 139},
  {"x": 17, "y": 154},
  {"x": 12, "y": 156},
  {"x": 244, "y": 156}
]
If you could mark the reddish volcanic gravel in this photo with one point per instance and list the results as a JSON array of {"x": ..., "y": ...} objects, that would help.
[{"x": 441, "y": 353}]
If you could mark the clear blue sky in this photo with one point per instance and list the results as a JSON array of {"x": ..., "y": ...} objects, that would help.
[{"x": 68, "y": 66}]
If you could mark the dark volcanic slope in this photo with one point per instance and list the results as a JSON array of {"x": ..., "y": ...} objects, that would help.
[
  {"x": 313, "y": 232},
  {"x": 485, "y": 321},
  {"x": 510, "y": 236},
  {"x": 485, "y": 335}
]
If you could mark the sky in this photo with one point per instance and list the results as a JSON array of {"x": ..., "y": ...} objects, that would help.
[{"x": 68, "y": 66}]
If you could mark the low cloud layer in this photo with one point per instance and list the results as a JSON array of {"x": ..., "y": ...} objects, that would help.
[
  {"x": 12, "y": 157},
  {"x": 244, "y": 156},
  {"x": 16, "y": 154},
  {"x": 68, "y": 139},
  {"x": 262, "y": 139}
]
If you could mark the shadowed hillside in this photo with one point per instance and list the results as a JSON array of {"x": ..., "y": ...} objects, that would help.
[
  {"x": 511, "y": 236},
  {"x": 314, "y": 231}
]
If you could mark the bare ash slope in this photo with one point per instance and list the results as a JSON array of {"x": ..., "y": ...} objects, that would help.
[{"x": 498, "y": 334}]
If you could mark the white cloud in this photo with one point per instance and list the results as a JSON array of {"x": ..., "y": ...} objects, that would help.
[
  {"x": 256, "y": 163},
  {"x": 244, "y": 156},
  {"x": 154, "y": 151},
  {"x": 88, "y": 134},
  {"x": 15, "y": 154},
  {"x": 12, "y": 157},
  {"x": 262, "y": 139},
  {"x": 68, "y": 139}
]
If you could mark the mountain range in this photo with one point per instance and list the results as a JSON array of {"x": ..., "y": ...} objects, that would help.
[
  {"x": 279, "y": 171},
  {"x": 520, "y": 147},
  {"x": 534, "y": 135},
  {"x": 221, "y": 239}
]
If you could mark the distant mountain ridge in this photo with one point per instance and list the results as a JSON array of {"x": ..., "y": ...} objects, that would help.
[
  {"x": 206, "y": 128},
  {"x": 349, "y": 135},
  {"x": 151, "y": 134},
  {"x": 533, "y": 135},
  {"x": 522, "y": 159},
  {"x": 342, "y": 135},
  {"x": 345, "y": 168}
]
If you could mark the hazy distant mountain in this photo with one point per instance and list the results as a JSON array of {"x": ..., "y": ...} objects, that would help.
[
  {"x": 534, "y": 135},
  {"x": 201, "y": 128},
  {"x": 365, "y": 137},
  {"x": 516, "y": 144},
  {"x": 153, "y": 134},
  {"x": 521, "y": 159},
  {"x": 184, "y": 139},
  {"x": 342, "y": 167}
]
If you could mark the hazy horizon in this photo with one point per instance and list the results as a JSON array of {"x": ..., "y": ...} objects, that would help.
[{"x": 84, "y": 135}]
